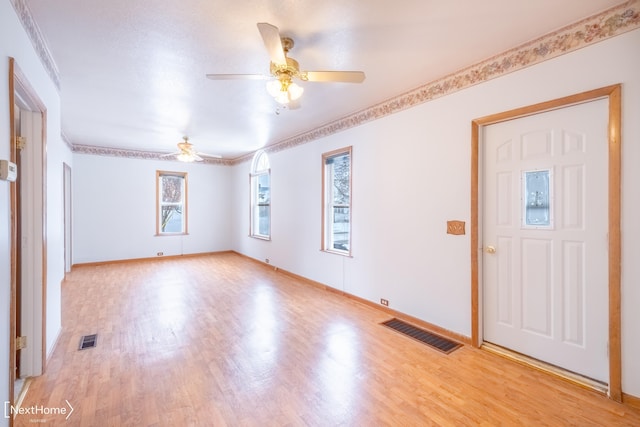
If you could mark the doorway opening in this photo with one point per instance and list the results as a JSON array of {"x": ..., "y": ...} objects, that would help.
[{"x": 27, "y": 345}]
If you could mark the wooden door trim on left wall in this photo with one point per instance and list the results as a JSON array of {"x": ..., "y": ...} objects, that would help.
[
  {"x": 19, "y": 81},
  {"x": 613, "y": 94}
]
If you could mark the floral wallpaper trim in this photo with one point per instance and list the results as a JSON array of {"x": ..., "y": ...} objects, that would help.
[
  {"x": 37, "y": 40},
  {"x": 615, "y": 21},
  {"x": 137, "y": 154}
]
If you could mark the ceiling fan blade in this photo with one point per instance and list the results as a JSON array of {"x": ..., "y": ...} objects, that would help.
[
  {"x": 213, "y": 156},
  {"x": 334, "y": 76},
  {"x": 271, "y": 38},
  {"x": 237, "y": 77},
  {"x": 196, "y": 157}
]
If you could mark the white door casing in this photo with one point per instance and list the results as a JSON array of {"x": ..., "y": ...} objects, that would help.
[{"x": 545, "y": 289}]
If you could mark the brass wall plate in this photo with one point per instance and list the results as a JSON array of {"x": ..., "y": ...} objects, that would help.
[{"x": 455, "y": 227}]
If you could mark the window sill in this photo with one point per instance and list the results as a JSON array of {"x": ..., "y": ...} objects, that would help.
[
  {"x": 344, "y": 254},
  {"x": 261, "y": 237},
  {"x": 170, "y": 234}
]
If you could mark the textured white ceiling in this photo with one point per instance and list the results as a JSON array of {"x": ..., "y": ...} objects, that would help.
[{"x": 132, "y": 73}]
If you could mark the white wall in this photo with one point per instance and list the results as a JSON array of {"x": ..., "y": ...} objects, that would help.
[
  {"x": 411, "y": 173},
  {"x": 15, "y": 43},
  {"x": 114, "y": 208}
]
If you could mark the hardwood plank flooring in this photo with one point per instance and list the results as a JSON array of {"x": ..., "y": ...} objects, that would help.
[{"x": 220, "y": 340}]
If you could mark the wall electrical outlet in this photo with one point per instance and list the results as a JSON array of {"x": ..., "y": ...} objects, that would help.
[
  {"x": 384, "y": 302},
  {"x": 160, "y": 253},
  {"x": 266, "y": 260}
]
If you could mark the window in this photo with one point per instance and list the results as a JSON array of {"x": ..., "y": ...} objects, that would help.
[
  {"x": 336, "y": 201},
  {"x": 537, "y": 200},
  {"x": 171, "y": 203},
  {"x": 260, "y": 197}
]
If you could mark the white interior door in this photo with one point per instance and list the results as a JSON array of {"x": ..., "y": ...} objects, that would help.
[
  {"x": 32, "y": 233},
  {"x": 544, "y": 234}
]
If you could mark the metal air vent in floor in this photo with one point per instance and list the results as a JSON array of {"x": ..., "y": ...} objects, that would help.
[
  {"x": 88, "y": 341},
  {"x": 439, "y": 343}
]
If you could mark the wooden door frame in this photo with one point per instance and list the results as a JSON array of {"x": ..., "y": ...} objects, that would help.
[
  {"x": 613, "y": 94},
  {"x": 19, "y": 82}
]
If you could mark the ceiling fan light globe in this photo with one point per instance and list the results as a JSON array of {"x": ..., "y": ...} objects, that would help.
[
  {"x": 274, "y": 88},
  {"x": 282, "y": 98},
  {"x": 295, "y": 91},
  {"x": 185, "y": 157}
]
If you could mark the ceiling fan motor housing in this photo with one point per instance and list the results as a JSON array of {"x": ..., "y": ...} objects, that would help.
[{"x": 288, "y": 71}]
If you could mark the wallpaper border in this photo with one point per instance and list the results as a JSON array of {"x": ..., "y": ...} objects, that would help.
[{"x": 612, "y": 22}]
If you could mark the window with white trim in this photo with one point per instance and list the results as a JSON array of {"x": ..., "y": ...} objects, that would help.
[
  {"x": 171, "y": 203},
  {"x": 336, "y": 201},
  {"x": 260, "y": 179}
]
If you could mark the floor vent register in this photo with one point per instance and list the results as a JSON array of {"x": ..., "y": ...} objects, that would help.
[{"x": 435, "y": 341}]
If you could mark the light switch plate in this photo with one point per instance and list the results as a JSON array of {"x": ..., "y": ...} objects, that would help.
[{"x": 8, "y": 170}]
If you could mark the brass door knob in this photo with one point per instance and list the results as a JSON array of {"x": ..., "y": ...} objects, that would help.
[{"x": 490, "y": 250}]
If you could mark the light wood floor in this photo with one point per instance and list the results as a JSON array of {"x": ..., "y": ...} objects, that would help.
[{"x": 223, "y": 341}]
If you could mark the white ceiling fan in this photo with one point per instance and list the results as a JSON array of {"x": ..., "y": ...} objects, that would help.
[
  {"x": 286, "y": 69},
  {"x": 187, "y": 153}
]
